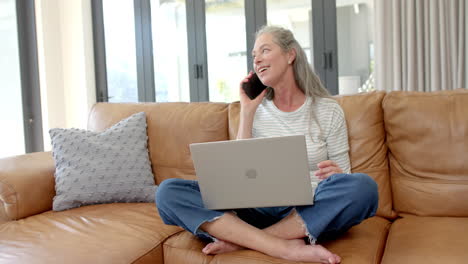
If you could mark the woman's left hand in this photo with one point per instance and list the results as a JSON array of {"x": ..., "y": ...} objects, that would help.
[{"x": 326, "y": 169}]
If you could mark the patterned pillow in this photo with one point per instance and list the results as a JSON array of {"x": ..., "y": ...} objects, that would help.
[{"x": 107, "y": 167}]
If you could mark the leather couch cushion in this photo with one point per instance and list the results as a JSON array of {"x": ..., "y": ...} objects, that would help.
[
  {"x": 427, "y": 139},
  {"x": 171, "y": 128},
  {"x": 26, "y": 185},
  {"x": 108, "y": 233},
  {"x": 184, "y": 248},
  {"x": 234, "y": 110},
  {"x": 368, "y": 151},
  {"x": 363, "y": 243},
  {"x": 415, "y": 239}
]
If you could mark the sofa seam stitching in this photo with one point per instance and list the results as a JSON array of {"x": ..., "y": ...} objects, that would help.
[
  {"x": 382, "y": 242},
  {"x": 147, "y": 252},
  {"x": 160, "y": 243},
  {"x": 431, "y": 181},
  {"x": 387, "y": 242}
]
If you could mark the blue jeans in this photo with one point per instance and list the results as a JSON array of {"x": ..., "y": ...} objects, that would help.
[{"x": 341, "y": 201}]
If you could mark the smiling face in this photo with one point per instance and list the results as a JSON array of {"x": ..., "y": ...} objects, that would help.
[{"x": 271, "y": 63}]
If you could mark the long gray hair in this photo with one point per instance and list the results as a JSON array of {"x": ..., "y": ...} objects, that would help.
[{"x": 304, "y": 76}]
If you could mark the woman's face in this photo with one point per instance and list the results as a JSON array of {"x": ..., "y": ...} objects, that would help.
[{"x": 270, "y": 62}]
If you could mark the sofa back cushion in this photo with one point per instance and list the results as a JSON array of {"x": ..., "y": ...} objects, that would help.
[
  {"x": 367, "y": 148},
  {"x": 368, "y": 152},
  {"x": 427, "y": 137},
  {"x": 171, "y": 128}
]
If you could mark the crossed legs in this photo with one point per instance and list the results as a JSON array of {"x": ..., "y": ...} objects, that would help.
[
  {"x": 282, "y": 240},
  {"x": 341, "y": 201}
]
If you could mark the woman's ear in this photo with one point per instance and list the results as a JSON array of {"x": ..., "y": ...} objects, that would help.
[{"x": 291, "y": 56}]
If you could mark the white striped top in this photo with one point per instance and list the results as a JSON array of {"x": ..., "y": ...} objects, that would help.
[{"x": 331, "y": 144}]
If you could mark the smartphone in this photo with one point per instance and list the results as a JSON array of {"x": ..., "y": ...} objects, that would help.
[{"x": 253, "y": 87}]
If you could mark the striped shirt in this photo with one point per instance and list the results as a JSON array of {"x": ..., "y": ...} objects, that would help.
[{"x": 329, "y": 144}]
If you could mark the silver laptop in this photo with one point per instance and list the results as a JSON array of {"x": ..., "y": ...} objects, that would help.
[{"x": 248, "y": 173}]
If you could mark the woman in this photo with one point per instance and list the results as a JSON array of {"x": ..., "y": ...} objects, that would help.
[{"x": 295, "y": 103}]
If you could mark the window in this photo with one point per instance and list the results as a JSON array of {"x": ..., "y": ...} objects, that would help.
[
  {"x": 119, "y": 28},
  {"x": 170, "y": 50},
  {"x": 295, "y": 16},
  {"x": 11, "y": 111},
  {"x": 355, "y": 33},
  {"x": 200, "y": 50},
  {"x": 226, "y": 49},
  {"x": 20, "y": 104}
]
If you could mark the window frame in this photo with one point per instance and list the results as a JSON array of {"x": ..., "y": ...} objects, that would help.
[
  {"x": 324, "y": 43},
  {"x": 29, "y": 71}
]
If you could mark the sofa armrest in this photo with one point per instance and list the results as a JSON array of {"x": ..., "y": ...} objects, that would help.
[{"x": 27, "y": 185}]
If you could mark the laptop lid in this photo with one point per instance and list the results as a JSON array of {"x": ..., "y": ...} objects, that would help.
[{"x": 258, "y": 172}]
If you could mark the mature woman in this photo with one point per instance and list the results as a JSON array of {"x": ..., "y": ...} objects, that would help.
[{"x": 295, "y": 103}]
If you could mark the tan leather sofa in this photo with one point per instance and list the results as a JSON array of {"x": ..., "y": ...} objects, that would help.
[{"x": 415, "y": 145}]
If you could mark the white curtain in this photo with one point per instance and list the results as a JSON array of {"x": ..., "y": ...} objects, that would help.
[{"x": 420, "y": 45}]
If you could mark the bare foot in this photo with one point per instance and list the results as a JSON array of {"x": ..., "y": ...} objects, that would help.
[
  {"x": 299, "y": 251},
  {"x": 219, "y": 247}
]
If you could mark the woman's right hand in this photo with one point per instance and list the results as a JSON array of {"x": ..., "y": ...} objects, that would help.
[
  {"x": 249, "y": 106},
  {"x": 247, "y": 111}
]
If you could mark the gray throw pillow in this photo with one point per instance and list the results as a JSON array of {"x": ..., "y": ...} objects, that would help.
[{"x": 111, "y": 166}]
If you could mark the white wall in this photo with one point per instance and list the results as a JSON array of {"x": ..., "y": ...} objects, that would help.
[
  {"x": 66, "y": 63},
  {"x": 466, "y": 45}
]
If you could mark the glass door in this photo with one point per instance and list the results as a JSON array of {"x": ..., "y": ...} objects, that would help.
[
  {"x": 119, "y": 32},
  {"x": 226, "y": 48},
  {"x": 295, "y": 16},
  {"x": 170, "y": 51},
  {"x": 355, "y": 31},
  {"x": 199, "y": 48},
  {"x": 11, "y": 111}
]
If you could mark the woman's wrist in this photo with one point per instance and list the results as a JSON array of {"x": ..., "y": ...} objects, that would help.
[
  {"x": 245, "y": 125},
  {"x": 246, "y": 114}
]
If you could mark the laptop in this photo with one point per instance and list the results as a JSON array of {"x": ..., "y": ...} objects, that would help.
[{"x": 249, "y": 173}]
